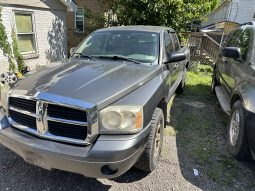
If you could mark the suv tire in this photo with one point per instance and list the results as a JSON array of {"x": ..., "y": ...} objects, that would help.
[
  {"x": 237, "y": 141},
  {"x": 150, "y": 158}
]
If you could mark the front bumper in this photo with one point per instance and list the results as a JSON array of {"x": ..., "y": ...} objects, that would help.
[{"x": 109, "y": 157}]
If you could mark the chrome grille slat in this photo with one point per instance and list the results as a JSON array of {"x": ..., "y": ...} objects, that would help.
[
  {"x": 22, "y": 111},
  {"x": 71, "y": 122}
]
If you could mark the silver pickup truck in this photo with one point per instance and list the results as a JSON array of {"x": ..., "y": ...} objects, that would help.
[{"x": 102, "y": 111}]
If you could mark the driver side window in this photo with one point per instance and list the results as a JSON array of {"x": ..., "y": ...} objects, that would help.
[
  {"x": 243, "y": 43},
  {"x": 232, "y": 38},
  {"x": 169, "y": 47}
]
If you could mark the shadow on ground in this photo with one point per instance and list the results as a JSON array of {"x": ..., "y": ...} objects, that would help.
[{"x": 200, "y": 128}]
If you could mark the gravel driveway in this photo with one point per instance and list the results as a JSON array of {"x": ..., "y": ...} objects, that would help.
[
  {"x": 15, "y": 174},
  {"x": 194, "y": 139}
]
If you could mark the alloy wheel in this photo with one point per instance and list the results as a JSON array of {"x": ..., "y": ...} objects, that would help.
[
  {"x": 157, "y": 142},
  {"x": 234, "y": 127}
]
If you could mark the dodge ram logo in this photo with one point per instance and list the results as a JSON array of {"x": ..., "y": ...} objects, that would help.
[
  {"x": 39, "y": 117},
  {"x": 39, "y": 112}
]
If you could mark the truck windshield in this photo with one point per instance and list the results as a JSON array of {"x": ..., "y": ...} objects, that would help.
[{"x": 136, "y": 45}]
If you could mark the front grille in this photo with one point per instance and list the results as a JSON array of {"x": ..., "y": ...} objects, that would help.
[
  {"x": 61, "y": 122},
  {"x": 66, "y": 113},
  {"x": 23, "y": 119},
  {"x": 24, "y": 104},
  {"x": 67, "y": 130}
]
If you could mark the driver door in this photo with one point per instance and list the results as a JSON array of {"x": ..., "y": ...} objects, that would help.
[
  {"x": 225, "y": 65},
  {"x": 168, "y": 49}
]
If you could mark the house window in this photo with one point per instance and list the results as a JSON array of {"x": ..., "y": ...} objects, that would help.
[
  {"x": 25, "y": 32},
  {"x": 79, "y": 20}
]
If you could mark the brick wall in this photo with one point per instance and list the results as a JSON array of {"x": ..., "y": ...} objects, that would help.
[
  {"x": 94, "y": 6},
  {"x": 51, "y": 35}
]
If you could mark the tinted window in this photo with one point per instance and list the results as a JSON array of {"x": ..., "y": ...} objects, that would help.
[
  {"x": 175, "y": 41},
  {"x": 168, "y": 43},
  {"x": 231, "y": 40},
  {"x": 243, "y": 42}
]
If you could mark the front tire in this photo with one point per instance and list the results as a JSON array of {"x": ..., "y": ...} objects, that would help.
[
  {"x": 237, "y": 140},
  {"x": 181, "y": 87},
  {"x": 150, "y": 158}
]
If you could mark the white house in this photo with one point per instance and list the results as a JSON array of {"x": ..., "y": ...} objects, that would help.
[
  {"x": 238, "y": 11},
  {"x": 40, "y": 26}
]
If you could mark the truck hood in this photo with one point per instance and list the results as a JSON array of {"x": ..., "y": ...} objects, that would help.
[{"x": 97, "y": 82}]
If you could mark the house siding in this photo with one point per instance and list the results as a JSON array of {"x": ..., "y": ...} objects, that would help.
[
  {"x": 95, "y": 7},
  {"x": 52, "y": 4},
  {"x": 50, "y": 31},
  {"x": 239, "y": 11}
]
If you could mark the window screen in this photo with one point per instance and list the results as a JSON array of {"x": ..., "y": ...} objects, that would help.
[
  {"x": 79, "y": 20},
  {"x": 25, "y": 32}
]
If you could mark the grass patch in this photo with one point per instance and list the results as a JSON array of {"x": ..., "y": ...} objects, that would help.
[{"x": 198, "y": 82}]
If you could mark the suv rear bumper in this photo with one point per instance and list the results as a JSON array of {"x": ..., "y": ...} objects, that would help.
[{"x": 109, "y": 157}]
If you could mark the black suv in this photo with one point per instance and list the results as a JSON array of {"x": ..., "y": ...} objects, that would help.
[{"x": 233, "y": 81}]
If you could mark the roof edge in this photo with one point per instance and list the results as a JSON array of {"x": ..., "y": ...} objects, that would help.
[
  {"x": 224, "y": 2},
  {"x": 70, "y": 4}
]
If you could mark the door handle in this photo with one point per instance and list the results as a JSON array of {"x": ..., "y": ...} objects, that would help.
[
  {"x": 176, "y": 65},
  {"x": 225, "y": 61}
]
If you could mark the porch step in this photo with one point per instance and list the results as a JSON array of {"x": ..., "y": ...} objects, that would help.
[{"x": 223, "y": 99}]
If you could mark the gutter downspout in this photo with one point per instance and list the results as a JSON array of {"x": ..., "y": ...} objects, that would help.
[{"x": 70, "y": 4}]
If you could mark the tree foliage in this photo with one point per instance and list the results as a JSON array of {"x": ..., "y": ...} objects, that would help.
[
  {"x": 5, "y": 45},
  {"x": 16, "y": 53},
  {"x": 174, "y": 13},
  {"x": 11, "y": 51},
  {"x": 94, "y": 20}
]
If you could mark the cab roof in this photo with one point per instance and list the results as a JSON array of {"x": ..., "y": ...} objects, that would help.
[{"x": 156, "y": 29}]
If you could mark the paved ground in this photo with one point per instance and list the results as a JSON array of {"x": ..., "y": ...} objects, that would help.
[{"x": 194, "y": 139}]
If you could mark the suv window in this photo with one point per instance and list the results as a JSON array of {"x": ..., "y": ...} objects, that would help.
[
  {"x": 168, "y": 43},
  {"x": 175, "y": 41},
  {"x": 231, "y": 40},
  {"x": 243, "y": 42}
]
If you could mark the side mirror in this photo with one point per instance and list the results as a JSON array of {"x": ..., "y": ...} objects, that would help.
[
  {"x": 232, "y": 52},
  {"x": 175, "y": 57},
  {"x": 72, "y": 50}
]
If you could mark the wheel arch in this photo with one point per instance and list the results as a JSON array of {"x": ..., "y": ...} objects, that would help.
[
  {"x": 163, "y": 105},
  {"x": 244, "y": 92},
  {"x": 235, "y": 98}
]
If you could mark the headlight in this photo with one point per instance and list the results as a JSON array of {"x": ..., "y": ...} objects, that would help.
[
  {"x": 4, "y": 97},
  {"x": 121, "y": 119}
]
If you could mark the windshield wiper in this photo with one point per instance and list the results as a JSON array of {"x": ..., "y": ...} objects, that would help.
[
  {"x": 117, "y": 57},
  {"x": 84, "y": 55}
]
